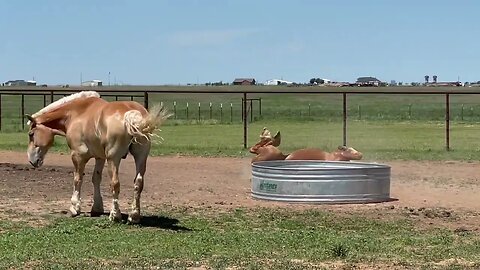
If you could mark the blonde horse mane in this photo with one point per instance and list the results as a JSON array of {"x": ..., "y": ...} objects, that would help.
[{"x": 58, "y": 103}]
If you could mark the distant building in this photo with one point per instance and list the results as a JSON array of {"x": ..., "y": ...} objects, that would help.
[
  {"x": 92, "y": 83},
  {"x": 368, "y": 81},
  {"x": 278, "y": 82},
  {"x": 244, "y": 81},
  {"x": 20, "y": 83}
]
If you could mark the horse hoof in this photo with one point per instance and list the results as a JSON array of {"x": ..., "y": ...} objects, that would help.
[
  {"x": 115, "y": 217},
  {"x": 74, "y": 212},
  {"x": 134, "y": 218},
  {"x": 96, "y": 213}
]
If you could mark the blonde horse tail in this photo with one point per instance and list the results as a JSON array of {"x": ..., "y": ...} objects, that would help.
[{"x": 139, "y": 126}]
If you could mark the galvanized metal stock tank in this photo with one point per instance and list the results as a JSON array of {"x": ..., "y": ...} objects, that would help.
[{"x": 321, "y": 181}]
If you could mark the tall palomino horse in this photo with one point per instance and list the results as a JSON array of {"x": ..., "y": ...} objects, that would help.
[
  {"x": 267, "y": 149},
  {"x": 95, "y": 128}
]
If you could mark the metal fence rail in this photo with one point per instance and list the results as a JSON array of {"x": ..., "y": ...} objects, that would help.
[{"x": 134, "y": 92}]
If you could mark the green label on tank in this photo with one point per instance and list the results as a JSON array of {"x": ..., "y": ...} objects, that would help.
[{"x": 266, "y": 186}]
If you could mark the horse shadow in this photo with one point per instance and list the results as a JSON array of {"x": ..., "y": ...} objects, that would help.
[{"x": 151, "y": 221}]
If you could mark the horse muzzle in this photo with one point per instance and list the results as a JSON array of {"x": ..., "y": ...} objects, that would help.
[{"x": 35, "y": 158}]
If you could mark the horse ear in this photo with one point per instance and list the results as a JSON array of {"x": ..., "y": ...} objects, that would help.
[
  {"x": 31, "y": 120},
  {"x": 277, "y": 139}
]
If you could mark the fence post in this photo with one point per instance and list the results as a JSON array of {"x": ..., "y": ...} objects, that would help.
[
  {"x": 51, "y": 96},
  {"x": 187, "y": 110},
  {"x": 23, "y": 112},
  {"x": 231, "y": 112},
  {"x": 243, "y": 109},
  {"x": 44, "y": 100},
  {"x": 175, "y": 110},
  {"x": 245, "y": 120},
  {"x": 221, "y": 112},
  {"x": 145, "y": 99},
  {"x": 309, "y": 110},
  {"x": 260, "y": 106},
  {"x": 359, "y": 112},
  {"x": 461, "y": 113},
  {"x": 210, "y": 110},
  {"x": 199, "y": 111},
  {"x": 447, "y": 121},
  {"x": 344, "y": 118},
  {"x": 251, "y": 111}
]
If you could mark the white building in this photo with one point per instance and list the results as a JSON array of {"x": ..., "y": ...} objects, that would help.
[
  {"x": 278, "y": 82},
  {"x": 92, "y": 83}
]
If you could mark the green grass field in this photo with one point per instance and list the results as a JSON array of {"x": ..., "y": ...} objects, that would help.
[
  {"x": 378, "y": 140},
  {"x": 242, "y": 238}
]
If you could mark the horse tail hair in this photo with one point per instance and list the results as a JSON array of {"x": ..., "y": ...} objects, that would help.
[{"x": 139, "y": 126}]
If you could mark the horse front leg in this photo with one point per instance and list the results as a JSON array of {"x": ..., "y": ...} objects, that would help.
[
  {"x": 113, "y": 164},
  {"x": 97, "y": 207},
  {"x": 79, "y": 164}
]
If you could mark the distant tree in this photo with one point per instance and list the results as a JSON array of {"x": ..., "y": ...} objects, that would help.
[
  {"x": 317, "y": 81},
  {"x": 426, "y": 78},
  {"x": 435, "y": 78}
]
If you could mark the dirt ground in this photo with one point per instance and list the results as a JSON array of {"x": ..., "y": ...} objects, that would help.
[{"x": 443, "y": 193}]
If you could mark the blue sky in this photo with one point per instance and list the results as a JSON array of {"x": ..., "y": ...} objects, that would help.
[{"x": 190, "y": 41}]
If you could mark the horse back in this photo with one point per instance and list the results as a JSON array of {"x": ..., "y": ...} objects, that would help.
[
  {"x": 122, "y": 107},
  {"x": 307, "y": 154}
]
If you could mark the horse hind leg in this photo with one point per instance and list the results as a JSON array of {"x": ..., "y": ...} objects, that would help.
[
  {"x": 79, "y": 164},
  {"x": 97, "y": 207},
  {"x": 112, "y": 165},
  {"x": 140, "y": 153}
]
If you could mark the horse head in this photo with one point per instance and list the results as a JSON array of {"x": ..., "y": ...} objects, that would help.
[
  {"x": 266, "y": 148},
  {"x": 266, "y": 139},
  {"x": 40, "y": 138},
  {"x": 344, "y": 153}
]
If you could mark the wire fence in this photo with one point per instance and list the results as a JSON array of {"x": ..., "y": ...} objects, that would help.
[{"x": 227, "y": 107}]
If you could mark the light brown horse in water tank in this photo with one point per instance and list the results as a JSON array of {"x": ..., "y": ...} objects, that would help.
[
  {"x": 95, "y": 128},
  {"x": 267, "y": 149}
]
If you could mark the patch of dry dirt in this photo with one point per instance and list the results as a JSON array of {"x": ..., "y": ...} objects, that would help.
[{"x": 435, "y": 193}]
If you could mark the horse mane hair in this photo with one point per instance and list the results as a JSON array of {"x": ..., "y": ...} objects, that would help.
[{"x": 58, "y": 103}]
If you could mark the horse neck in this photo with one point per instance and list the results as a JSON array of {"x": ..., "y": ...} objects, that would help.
[
  {"x": 56, "y": 119},
  {"x": 269, "y": 153}
]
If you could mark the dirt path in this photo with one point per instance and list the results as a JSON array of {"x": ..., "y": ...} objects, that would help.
[{"x": 445, "y": 192}]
